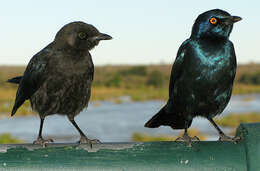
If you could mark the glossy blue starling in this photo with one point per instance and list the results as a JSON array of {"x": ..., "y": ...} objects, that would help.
[
  {"x": 202, "y": 75},
  {"x": 58, "y": 79}
]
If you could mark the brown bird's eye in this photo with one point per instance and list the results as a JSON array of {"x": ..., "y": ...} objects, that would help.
[
  {"x": 213, "y": 20},
  {"x": 82, "y": 35}
]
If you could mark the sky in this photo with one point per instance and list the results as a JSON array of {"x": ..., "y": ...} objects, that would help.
[{"x": 143, "y": 31}]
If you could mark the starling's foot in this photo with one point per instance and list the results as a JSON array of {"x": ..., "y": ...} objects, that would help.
[
  {"x": 42, "y": 141},
  {"x": 186, "y": 138},
  {"x": 85, "y": 140},
  {"x": 224, "y": 137}
]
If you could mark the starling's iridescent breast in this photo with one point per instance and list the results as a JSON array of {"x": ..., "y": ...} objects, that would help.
[
  {"x": 211, "y": 63},
  {"x": 207, "y": 79}
]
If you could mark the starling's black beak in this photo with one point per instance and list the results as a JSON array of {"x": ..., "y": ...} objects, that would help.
[
  {"x": 235, "y": 19},
  {"x": 103, "y": 36},
  {"x": 231, "y": 20}
]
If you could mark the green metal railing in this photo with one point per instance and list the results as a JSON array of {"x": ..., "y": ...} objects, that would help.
[{"x": 173, "y": 156}]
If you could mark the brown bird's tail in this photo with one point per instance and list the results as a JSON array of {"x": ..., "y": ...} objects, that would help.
[
  {"x": 16, "y": 106},
  {"x": 19, "y": 101},
  {"x": 15, "y": 80}
]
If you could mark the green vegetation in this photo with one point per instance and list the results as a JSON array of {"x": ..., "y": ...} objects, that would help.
[
  {"x": 233, "y": 120},
  {"x": 139, "y": 82},
  {"x": 155, "y": 79},
  {"x": 139, "y": 137},
  {"x": 250, "y": 78},
  {"x": 135, "y": 70},
  {"x": 9, "y": 139}
]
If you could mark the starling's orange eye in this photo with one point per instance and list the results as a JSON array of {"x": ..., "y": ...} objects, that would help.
[{"x": 213, "y": 20}]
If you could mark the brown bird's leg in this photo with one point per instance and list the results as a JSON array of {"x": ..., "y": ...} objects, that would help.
[
  {"x": 83, "y": 137},
  {"x": 222, "y": 135},
  {"x": 186, "y": 138},
  {"x": 40, "y": 140}
]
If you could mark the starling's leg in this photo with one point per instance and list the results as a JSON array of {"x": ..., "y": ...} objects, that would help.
[
  {"x": 222, "y": 136},
  {"x": 40, "y": 140},
  {"x": 83, "y": 137},
  {"x": 186, "y": 138}
]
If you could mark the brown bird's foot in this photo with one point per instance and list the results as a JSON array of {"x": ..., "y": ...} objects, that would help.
[
  {"x": 186, "y": 138},
  {"x": 224, "y": 137},
  {"x": 42, "y": 141},
  {"x": 195, "y": 138},
  {"x": 85, "y": 140}
]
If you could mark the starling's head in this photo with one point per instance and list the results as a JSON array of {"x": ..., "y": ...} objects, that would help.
[
  {"x": 79, "y": 36},
  {"x": 214, "y": 24}
]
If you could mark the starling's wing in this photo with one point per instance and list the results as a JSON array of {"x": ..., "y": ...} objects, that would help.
[
  {"x": 32, "y": 79},
  {"x": 166, "y": 115},
  {"x": 177, "y": 67},
  {"x": 233, "y": 61}
]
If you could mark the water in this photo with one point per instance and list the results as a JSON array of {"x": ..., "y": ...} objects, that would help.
[{"x": 111, "y": 122}]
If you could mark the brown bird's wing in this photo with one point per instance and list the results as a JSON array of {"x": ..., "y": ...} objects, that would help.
[{"x": 33, "y": 77}]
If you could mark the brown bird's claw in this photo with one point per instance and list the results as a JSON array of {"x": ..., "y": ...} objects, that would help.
[
  {"x": 42, "y": 141},
  {"x": 195, "y": 138},
  {"x": 224, "y": 137},
  {"x": 85, "y": 140},
  {"x": 187, "y": 139}
]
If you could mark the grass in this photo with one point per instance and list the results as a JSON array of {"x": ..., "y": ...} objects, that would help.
[
  {"x": 7, "y": 138},
  {"x": 144, "y": 137},
  {"x": 152, "y": 93},
  {"x": 245, "y": 89},
  {"x": 112, "y": 82},
  {"x": 233, "y": 120}
]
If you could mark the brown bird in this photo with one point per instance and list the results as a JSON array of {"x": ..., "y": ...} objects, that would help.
[{"x": 58, "y": 79}]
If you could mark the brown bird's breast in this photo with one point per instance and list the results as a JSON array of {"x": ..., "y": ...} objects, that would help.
[{"x": 66, "y": 90}]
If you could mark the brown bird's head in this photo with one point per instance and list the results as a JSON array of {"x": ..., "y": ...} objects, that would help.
[{"x": 79, "y": 36}]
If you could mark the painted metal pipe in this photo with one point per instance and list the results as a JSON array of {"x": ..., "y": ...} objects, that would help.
[{"x": 172, "y": 156}]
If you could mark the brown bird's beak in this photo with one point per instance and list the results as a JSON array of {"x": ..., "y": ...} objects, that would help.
[
  {"x": 103, "y": 36},
  {"x": 231, "y": 20}
]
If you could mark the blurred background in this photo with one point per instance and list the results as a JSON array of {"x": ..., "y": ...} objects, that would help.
[{"x": 131, "y": 72}]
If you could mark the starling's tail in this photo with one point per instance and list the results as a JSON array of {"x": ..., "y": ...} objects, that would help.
[
  {"x": 167, "y": 116},
  {"x": 156, "y": 120},
  {"x": 15, "y": 80}
]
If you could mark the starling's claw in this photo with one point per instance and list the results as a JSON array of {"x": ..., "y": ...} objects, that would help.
[
  {"x": 42, "y": 141},
  {"x": 186, "y": 138},
  {"x": 224, "y": 137}
]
